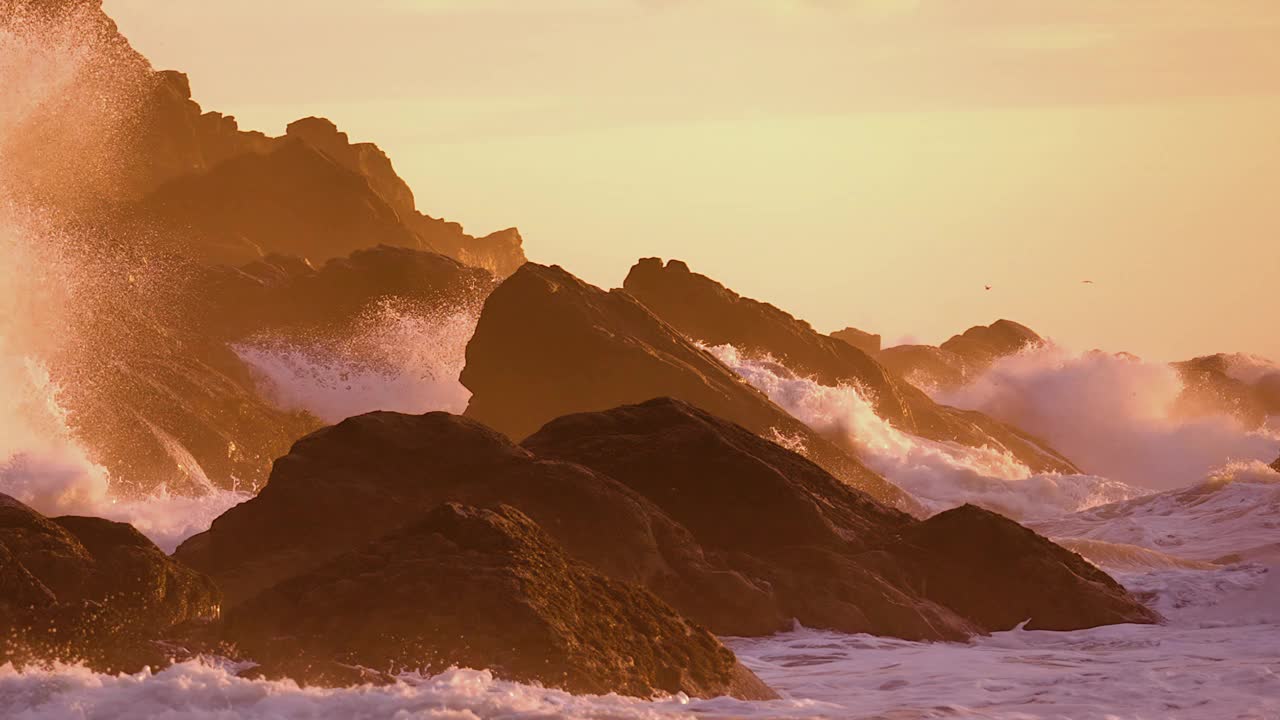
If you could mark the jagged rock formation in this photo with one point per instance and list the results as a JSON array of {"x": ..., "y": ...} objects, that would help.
[
  {"x": 581, "y": 348},
  {"x": 962, "y": 357},
  {"x": 708, "y": 312},
  {"x": 284, "y": 294},
  {"x": 157, "y": 394},
  {"x": 83, "y": 588},
  {"x": 311, "y": 193},
  {"x": 122, "y": 137},
  {"x": 868, "y": 343},
  {"x": 485, "y": 589},
  {"x": 733, "y": 531},
  {"x": 925, "y": 366},
  {"x": 984, "y": 344}
]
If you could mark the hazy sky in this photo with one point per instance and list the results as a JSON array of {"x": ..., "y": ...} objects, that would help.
[{"x": 868, "y": 162}]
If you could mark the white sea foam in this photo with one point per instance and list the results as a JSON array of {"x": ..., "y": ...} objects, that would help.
[
  {"x": 199, "y": 691},
  {"x": 1236, "y": 512},
  {"x": 42, "y": 463},
  {"x": 939, "y": 474},
  {"x": 398, "y": 358},
  {"x": 1113, "y": 415}
]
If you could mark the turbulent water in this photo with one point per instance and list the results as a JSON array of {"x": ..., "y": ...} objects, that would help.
[
  {"x": 1204, "y": 555},
  {"x": 1215, "y": 657},
  {"x": 939, "y": 474},
  {"x": 396, "y": 359},
  {"x": 1114, "y": 415}
]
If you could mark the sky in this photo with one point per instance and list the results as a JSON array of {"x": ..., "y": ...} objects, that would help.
[{"x": 874, "y": 163}]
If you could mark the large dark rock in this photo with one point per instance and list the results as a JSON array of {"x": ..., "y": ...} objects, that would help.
[
  {"x": 739, "y": 494},
  {"x": 735, "y": 532},
  {"x": 708, "y": 312},
  {"x": 293, "y": 200},
  {"x": 998, "y": 574},
  {"x": 484, "y": 589},
  {"x": 348, "y": 484},
  {"x": 1276, "y": 465},
  {"x": 548, "y": 344},
  {"x": 83, "y": 588}
]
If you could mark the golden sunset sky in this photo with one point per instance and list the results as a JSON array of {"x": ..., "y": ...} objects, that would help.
[{"x": 869, "y": 162}]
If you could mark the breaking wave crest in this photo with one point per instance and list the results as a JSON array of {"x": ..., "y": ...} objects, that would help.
[
  {"x": 398, "y": 358},
  {"x": 1113, "y": 415},
  {"x": 1233, "y": 516},
  {"x": 204, "y": 690},
  {"x": 939, "y": 474}
]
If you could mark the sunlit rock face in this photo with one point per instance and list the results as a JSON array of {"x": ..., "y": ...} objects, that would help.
[
  {"x": 868, "y": 343},
  {"x": 962, "y": 357},
  {"x": 548, "y": 344},
  {"x": 127, "y": 146},
  {"x": 92, "y": 590},
  {"x": 706, "y": 311}
]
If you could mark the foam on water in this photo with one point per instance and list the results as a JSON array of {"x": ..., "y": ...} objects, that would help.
[
  {"x": 1113, "y": 415},
  {"x": 200, "y": 690},
  {"x": 939, "y": 474},
  {"x": 1235, "y": 513}
]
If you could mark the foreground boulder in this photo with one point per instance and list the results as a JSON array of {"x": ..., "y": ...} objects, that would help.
[
  {"x": 708, "y": 312},
  {"x": 484, "y": 589},
  {"x": 580, "y": 348},
  {"x": 998, "y": 573},
  {"x": 740, "y": 494},
  {"x": 92, "y": 590},
  {"x": 735, "y": 532}
]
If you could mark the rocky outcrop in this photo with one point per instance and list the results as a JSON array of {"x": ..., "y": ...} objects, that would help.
[
  {"x": 581, "y": 348},
  {"x": 121, "y": 138},
  {"x": 999, "y": 574},
  {"x": 962, "y": 357},
  {"x": 1211, "y": 388},
  {"x": 163, "y": 399},
  {"x": 287, "y": 295},
  {"x": 82, "y": 588},
  {"x": 294, "y": 200},
  {"x": 925, "y": 366},
  {"x": 485, "y": 589},
  {"x": 868, "y": 343},
  {"x": 982, "y": 345},
  {"x": 735, "y": 532},
  {"x": 708, "y": 312},
  {"x": 1276, "y": 465}
]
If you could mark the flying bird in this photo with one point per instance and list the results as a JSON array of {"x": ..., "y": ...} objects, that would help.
[
  {"x": 988, "y": 287},
  {"x": 1087, "y": 282}
]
